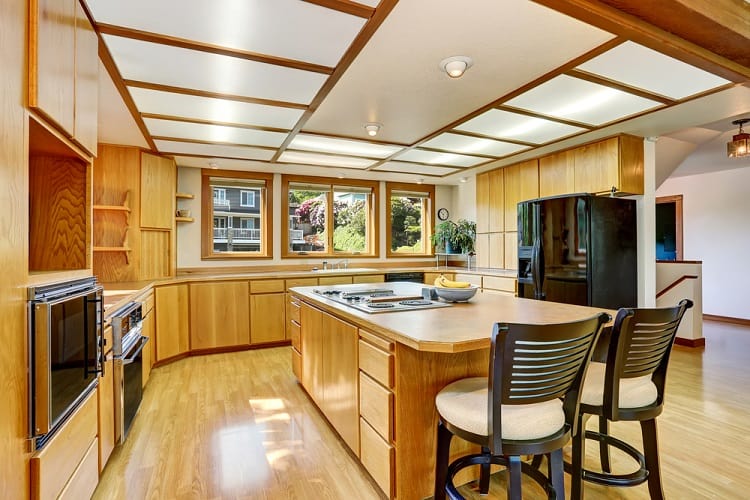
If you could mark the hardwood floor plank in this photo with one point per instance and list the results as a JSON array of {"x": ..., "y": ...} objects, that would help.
[{"x": 238, "y": 426}]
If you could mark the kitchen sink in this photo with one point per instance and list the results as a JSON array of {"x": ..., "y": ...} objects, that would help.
[{"x": 353, "y": 270}]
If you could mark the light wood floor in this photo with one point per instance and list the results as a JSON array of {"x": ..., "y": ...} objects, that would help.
[{"x": 238, "y": 426}]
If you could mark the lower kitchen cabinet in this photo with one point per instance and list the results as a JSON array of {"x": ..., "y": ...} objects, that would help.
[
  {"x": 171, "y": 309},
  {"x": 106, "y": 400},
  {"x": 267, "y": 311},
  {"x": 148, "y": 349},
  {"x": 219, "y": 315},
  {"x": 330, "y": 372}
]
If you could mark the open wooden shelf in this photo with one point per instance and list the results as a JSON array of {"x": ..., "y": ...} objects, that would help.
[
  {"x": 122, "y": 208},
  {"x": 111, "y": 249},
  {"x": 184, "y": 219},
  {"x": 184, "y": 196}
]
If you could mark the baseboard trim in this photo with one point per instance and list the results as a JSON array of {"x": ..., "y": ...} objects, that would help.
[
  {"x": 701, "y": 342},
  {"x": 727, "y": 319}
]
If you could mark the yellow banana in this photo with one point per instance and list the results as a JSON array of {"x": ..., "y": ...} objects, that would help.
[{"x": 444, "y": 282}]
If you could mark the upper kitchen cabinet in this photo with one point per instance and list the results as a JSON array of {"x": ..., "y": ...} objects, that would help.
[
  {"x": 613, "y": 164},
  {"x": 521, "y": 184},
  {"x": 158, "y": 189},
  {"x": 557, "y": 174},
  {"x": 64, "y": 68},
  {"x": 491, "y": 201}
]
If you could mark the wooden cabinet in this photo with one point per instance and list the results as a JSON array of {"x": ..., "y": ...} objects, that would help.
[
  {"x": 557, "y": 174},
  {"x": 616, "y": 162},
  {"x": 502, "y": 284},
  {"x": 335, "y": 280},
  {"x": 490, "y": 194},
  {"x": 521, "y": 183},
  {"x": 106, "y": 401},
  {"x": 429, "y": 277},
  {"x": 64, "y": 68},
  {"x": 66, "y": 460},
  {"x": 267, "y": 317},
  {"x": 171, "y": 309},
  {"x": 148, "y": 349},
  {"x": 289, "y": 284},
  {"x": 511, "y": 250},
  {"x": 219, "y": 315},
  {"x": 158, "y": 189},
  {"x": 483, "y": 202},
  {"x": 368, "y": 278},
  {"x": 330, "y": 371}
]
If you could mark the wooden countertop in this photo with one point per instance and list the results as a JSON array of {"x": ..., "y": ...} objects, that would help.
[{"x": 461, "y": 327}]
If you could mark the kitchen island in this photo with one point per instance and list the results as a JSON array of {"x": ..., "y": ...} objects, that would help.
[{"x": 375, "y": 375}]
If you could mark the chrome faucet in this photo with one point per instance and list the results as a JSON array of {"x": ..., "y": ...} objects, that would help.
[{"x": 325, "y": 265}]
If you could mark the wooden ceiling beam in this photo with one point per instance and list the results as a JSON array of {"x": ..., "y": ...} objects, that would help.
[
  {"x": 713, "y": 36},
  {"x": 200, "y": 121},
  {"x": 172, "y": 41},
  {"x": 346, "y": 7},
  {"x": 600, "y": 80}
]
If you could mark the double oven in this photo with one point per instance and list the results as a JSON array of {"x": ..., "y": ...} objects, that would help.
[
  {"x": 65, "y": 352},
  {"x": 127, "y": 351}
]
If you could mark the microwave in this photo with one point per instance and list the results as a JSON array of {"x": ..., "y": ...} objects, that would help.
[{"x": 65, "y": 355}]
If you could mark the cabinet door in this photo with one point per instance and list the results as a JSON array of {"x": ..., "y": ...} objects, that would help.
[
  {"x": 267, "y": 318},
  {"x": 497, "y": 250},
  {"x": 171, "y": 309},
  {"x": 156, "y": 254},
  {"x": 148, "y": 349},
  {"x": 521, "y": 183},
  {"x": 219, "y": 315},
  {"x": 557, "y": 174},
  {"x": 511, "y": 250},
  {"x": 482, "y": 245},
  {"x": 106, "y": 399},
  {"x": 86, "y": 82},
  {"x": 596, "y": 167},
  {"x": 483, "y": 202},
  {"x": 158, "y": 187},
  {"x": 52, "y": 60},
  {"x": 341, "y": 378},
  {"x": 312, "y": 351},
  {"x": 496, "y": 195}
]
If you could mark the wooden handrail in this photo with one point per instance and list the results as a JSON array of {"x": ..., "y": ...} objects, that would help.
[{"x": 677, "y": 282}]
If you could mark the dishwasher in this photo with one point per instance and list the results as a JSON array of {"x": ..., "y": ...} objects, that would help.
[{"x": 412, "y": 277}]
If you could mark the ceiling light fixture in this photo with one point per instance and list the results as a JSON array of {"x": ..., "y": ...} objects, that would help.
[
  {"x": 464, "y": 180},
  {"x": 455, "y": 66},
  {"x": 372, "y": 129},
  {"x": 420, "y": 180},
  {"x": 739, "y": 146},
  {"x": 213, "y": 165}
]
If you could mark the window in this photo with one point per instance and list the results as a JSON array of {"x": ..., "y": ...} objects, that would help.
[
  {"x": 240, "y": 214},
  {"x": 311, "y": 203},
  {"x": 247, "y": 198},
  {"x": 409, "y": 216}
]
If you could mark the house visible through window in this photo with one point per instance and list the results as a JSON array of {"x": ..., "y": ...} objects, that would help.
[
  {"x": 239, "y": 211},
  {"x": 409, "y": 215}
]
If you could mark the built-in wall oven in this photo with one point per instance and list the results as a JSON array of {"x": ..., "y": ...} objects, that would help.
[
  {"x": 65, "y": 351},
  {"x": 127, "y": 350}
]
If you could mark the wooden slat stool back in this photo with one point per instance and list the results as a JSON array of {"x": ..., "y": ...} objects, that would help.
[
  {"x": 630, "y": 387},
  {"x": 527, "y": 406}
]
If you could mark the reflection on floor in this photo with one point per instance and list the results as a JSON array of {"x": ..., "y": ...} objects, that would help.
[{"x": 238, "y": 426}]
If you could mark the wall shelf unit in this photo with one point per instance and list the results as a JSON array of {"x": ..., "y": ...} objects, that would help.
[
  {"x": 184, "y": 196},
  {"x": 184, "y": 219}
]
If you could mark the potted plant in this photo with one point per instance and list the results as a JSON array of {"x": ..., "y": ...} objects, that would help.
[
  {"x": 443, "y": 236},
  {"x": 464, "y": 235}
]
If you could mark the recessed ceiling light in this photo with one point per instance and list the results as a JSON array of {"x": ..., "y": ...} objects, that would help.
[
  {"x": 420, "y": 180},
  {"x": 341, "y": 176},
  {"x": 213, "y": 165},
  {"x": 455, "y": 66},
  {"x": 464, "y": 180},
  {"x": 372, "y": 128}
]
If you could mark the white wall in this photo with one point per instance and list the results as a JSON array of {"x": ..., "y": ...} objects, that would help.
[
  {"x": 189, "y": 234},
  {"x": 716, "y": 230}
]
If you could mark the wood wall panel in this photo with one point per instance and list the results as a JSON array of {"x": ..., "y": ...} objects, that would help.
[
  {"x": 156, "y": 254},
  {"x": 52, "y": 60},
  {"x": 86, "y": 82},
  {"x": 219, "y": 315},
  {"x": 14, "y": 230},
  {"x": 58, "y": 215}
]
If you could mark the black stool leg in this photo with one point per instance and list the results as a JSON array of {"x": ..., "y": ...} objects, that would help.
[
  {"x": 603, "y": 447},
  {"x": 484, "y": 474},
  {"x": 556, "y": 473},
  {"x": 579, "y": 452},
  {"x": 441, "y": 460},
  {"x": 651, "y": 453},
  {"x": 514, "y": 478}
]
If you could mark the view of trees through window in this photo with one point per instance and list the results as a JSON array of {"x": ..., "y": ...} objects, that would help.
[{"x": 406, "y": 224}]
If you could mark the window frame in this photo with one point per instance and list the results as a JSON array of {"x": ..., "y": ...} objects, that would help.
[
  {"x": 332, "y": 183},
  {"x": 251, "y": 196},
  {"x": 428, "y": 218},
  {"x": 265, "y": 215}
]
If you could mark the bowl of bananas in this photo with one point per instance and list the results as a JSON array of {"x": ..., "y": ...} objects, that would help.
[{"x": 454, "y": 291}]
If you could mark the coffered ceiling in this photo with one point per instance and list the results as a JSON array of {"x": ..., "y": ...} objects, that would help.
[{"x": 288, "y": 85}]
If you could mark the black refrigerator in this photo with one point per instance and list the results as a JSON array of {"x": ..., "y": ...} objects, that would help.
[{"x": 578, "y": 249}]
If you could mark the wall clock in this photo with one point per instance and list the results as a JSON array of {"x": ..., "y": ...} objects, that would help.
[{"x": 443, "y": 214}]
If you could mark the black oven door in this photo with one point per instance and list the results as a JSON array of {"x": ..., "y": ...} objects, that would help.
[{"x": 131, "y": 383}]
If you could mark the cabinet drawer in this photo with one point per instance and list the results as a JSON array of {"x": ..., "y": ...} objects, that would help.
[
  {"x": 499, "y": 283},
  {"x": 52, "y": 467},
  {"x": 474, "y": 279},
  {"x": 85, "y": 478},
  {"x": 148, "y": 303},
  {"x": 376, "y": 405},
  {"x": 377, "y": 457},
  {"x": 301, "y": 282},
  {"x": 376, "y": 363},
  {"x": 336, "y": 280},
  {"x": 293, "y": 309},
  {"x": 295, "y": 333},
  {"x": 107, "y": 339},
  {"x": 297, "y": 364},
  {"x": 267, "y": 286}
]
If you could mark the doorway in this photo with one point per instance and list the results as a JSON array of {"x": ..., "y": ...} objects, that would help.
[{"x": 669, "y": 227}]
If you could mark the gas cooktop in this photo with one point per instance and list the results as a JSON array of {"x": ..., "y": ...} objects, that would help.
[{"x": 382, "y": 299}]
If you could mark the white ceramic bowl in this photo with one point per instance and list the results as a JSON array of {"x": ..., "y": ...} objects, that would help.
[{"x": 456, "y": 294}]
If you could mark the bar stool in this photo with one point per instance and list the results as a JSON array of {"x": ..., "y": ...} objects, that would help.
[
  {"x": 527, "y": 406},
  {"x": 630, "y": 387}
]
